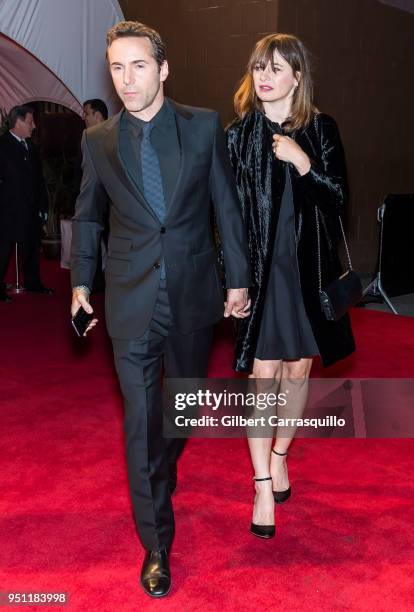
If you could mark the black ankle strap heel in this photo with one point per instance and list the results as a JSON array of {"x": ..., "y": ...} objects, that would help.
[
  {"x": 262, "y": 531},
  {"x": 281, "y": 496}
]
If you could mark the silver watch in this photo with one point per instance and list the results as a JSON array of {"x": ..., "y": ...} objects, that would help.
[{"x": 83, "y": 287}]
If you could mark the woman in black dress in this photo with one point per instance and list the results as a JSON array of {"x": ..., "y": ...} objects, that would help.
[{"x": 290, "y": 172}]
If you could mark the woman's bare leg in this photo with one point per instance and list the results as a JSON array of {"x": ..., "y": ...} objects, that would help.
[
  {"x": 264, "y": 374},
  {"x": 295, "y": 378}
]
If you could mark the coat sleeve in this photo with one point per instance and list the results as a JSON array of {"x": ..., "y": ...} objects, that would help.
[
  {"x": 326, "y": 184},
  {"x": 88, "y": 222},
  {"x": 228, "y": 212}
]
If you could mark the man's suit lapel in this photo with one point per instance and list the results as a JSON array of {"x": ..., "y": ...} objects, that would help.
[
  {"x": 182, "y": 117},
  {"x": 19, "y": 151},
  {"x": 113, "y": 153}
]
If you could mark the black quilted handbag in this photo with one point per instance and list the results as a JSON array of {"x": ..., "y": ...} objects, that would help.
[{"x": 343, "y": 292}]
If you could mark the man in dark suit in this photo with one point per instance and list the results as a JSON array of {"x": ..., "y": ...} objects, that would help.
[
  {"x": 23, "y": 199},
  {"x": 159, "y": 164}
]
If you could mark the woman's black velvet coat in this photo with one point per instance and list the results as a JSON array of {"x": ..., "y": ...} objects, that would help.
[{"x": 260, "y": 182}]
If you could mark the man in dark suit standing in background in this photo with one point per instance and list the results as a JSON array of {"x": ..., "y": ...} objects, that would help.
[
  {"x": 159, "y": 164},
  {"x": 23, "y": 199}
]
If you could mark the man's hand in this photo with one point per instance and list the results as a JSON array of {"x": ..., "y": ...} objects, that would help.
[
  {"x": 238, "y": 303},
  {"x": 80, "y": 297}
]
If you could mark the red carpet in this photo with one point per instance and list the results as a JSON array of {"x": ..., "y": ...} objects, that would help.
[{"x": 344, "y": 540}]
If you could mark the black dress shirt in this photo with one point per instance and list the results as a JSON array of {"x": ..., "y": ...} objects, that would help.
[{"x": 164, "y": 139}]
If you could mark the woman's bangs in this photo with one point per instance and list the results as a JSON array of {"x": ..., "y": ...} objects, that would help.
[{"x": 263, "y": 54}]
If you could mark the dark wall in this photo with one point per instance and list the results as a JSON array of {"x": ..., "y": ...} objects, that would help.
[
  {"x": 364, "y": 58},
  {"x": 363, "y": 67}
]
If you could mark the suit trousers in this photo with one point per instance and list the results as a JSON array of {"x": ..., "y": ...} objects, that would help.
[
  {"x": 139, "y": 363},
  {"x": 29, "y": 259}
]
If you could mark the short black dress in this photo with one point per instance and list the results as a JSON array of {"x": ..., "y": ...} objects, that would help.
[{"x": 285, "y": 331}]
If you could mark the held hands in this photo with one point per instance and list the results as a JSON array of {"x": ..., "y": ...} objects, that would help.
[
  {"x": 80, "y": 298},
  {"x": 238, "y": 303},
  {"x": 287, "y": 150}
]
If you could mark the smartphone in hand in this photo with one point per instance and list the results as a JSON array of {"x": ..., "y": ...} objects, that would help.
[{"x": 81, "y": 321}]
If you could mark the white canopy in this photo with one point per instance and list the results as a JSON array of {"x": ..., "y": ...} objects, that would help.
[{"x": 54, "y": 50}]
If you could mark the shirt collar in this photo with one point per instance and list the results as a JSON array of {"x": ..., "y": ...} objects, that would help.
[
  {"x": 17, "y": 137},
  {"x": 162, "y": 120}
]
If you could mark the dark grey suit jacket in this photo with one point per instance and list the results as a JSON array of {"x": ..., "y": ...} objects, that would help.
[{"x": 138, "y": 241}]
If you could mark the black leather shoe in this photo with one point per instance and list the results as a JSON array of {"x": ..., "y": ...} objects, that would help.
[
  {"x": 155, "y": 573},
  {"x": 4, "y": 297},
  {"x": 262, "y": 531},
  {"x": 172, "y": 477},
  {"x": 281, "y": 496},
  {"x": 40, "y": 289}
]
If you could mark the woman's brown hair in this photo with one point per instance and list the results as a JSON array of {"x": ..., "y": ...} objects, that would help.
[{"x": 298, "y": 57}]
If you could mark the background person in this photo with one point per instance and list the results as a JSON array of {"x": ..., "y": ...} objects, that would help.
[
  {"x": 95, "y": 112},
  {"x": 23, "y": 200}
]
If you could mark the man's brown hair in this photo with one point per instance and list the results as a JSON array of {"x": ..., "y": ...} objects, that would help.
[{"x": 140, "y": 30}]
